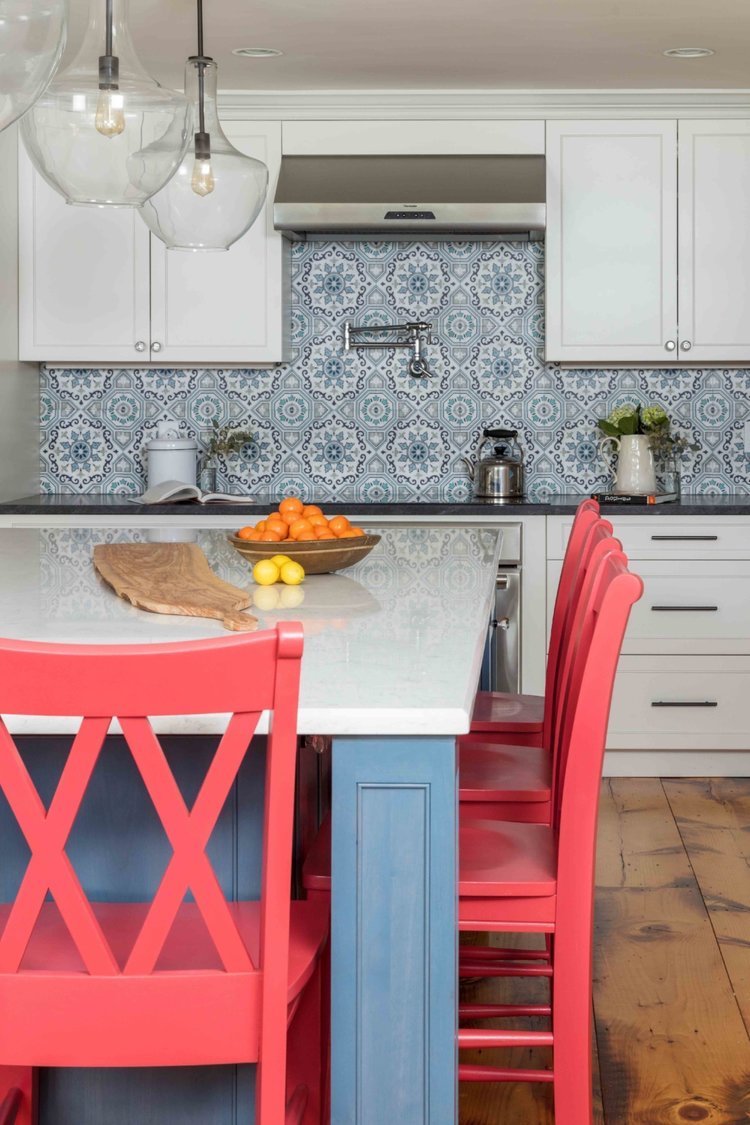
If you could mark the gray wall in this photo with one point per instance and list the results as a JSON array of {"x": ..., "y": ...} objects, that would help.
[{"x": 19, "y": 382}]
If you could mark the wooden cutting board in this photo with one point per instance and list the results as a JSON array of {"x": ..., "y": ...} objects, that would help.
[{"x": 172, "y": 578}]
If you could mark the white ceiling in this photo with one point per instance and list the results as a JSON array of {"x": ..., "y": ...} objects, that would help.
[{"x": 449, "y": 44}]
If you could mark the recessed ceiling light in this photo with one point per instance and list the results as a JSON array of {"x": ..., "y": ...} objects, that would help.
[
  {"x": 689, "y": 52},
  {"x": 257, "y": 52}
]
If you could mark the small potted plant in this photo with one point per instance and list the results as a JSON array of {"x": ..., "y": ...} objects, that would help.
[
  {"x": 642, "y": 437},
  {"x": 220, "y": 443}
]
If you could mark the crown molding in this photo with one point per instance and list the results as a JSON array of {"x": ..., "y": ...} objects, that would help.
[{"x": 477, "y": 105}]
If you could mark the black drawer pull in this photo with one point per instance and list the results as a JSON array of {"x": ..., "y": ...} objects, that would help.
[
  {"x": 684, "y": 609},
  {"x": 684, "y": 703},
  {"x": 684, "y": 538}
]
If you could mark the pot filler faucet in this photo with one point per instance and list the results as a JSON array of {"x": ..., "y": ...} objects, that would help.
[{"x": 417, "y": 366}]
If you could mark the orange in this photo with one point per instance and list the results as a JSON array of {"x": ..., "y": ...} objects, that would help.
[
  {"x": 291, "y": 504},
  {"x": 290, "y": 517},
  {"x": 323, "y": 533},
  {"x": 270, "y": 537},
  {"x": 245, "y": 532},
  {"x": 298, "y": 527},
  {"x": 317, "y": 521},
  {"x": 260, "y": 526},
  {"x": 311, "y": 510},
  {"x": 338, "y": 525},
  {"x": 306, "y": 536},
  {"x": 351, "y": 533},
  {"x": 278, "y": 526},
  {"x": 254, "y": 536}
]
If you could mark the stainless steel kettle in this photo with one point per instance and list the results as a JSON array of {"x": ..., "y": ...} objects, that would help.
[{"x": 499, "y": 475}]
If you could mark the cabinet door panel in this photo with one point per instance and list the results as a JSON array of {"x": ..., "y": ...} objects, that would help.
[
  {"x": 83, "y": 277},
  {"x": 611, "y": 241},
  {"x": 714, "y": 188},
  {"x": 226, "y": 307}
]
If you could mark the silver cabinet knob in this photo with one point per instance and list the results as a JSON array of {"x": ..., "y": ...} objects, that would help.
[
  {"x": 670, "y": 345},
  {"x": 140, "y": 345},
  {"x": 686, "y": 345},
  {"x": 156, "y": 346}
]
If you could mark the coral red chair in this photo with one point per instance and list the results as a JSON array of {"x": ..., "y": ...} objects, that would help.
[
  {"x": 512, "y": 717},
  {"x": 535, "y": 878},
  {"x": 512, "y": 782},
  {"x": 107, "y": 984}
]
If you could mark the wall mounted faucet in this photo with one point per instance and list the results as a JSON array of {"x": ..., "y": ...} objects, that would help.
[{"x": 417, "y": 365}]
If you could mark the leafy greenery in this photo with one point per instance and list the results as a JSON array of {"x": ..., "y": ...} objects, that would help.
[
  {"x": 225, "y": 441},
  {"x": 653, "y": 420}
]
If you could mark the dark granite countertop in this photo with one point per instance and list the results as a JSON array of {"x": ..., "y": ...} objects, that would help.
[{"x": 96, "y": 504}]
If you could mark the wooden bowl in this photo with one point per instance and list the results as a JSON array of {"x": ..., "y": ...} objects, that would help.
[{"x": 321, "y": 557}]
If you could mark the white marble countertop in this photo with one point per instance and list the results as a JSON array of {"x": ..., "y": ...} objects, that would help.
[{"x": 392, "y": 646}]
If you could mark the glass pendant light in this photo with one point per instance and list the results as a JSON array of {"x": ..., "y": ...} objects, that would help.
[
  {"x": 32, "y": 37},
  {"x": 218, "y": 192},
  {"x": 104, "y": 132}
]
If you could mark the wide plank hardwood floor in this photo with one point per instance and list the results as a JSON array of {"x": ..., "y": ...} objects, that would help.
[{"x": 671, "y": 965}]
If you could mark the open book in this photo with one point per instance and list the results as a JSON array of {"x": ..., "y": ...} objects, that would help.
[{"x": 171, "y": 491}]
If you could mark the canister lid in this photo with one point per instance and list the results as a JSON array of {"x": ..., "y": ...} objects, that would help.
[{"x": 168, "y": 437}]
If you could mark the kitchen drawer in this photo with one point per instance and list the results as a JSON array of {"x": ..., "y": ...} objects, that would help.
[
  {"x": 709, "y": 698},
  {"x": 668, "y": 537},
  {"x": 688, "y": 607}
]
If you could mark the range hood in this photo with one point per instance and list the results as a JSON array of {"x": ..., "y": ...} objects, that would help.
[{"x": 413, "y": 195}]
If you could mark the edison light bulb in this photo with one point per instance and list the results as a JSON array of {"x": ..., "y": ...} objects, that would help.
[
  {"x": 110, "y": 113},
  {"x": 202, "y": 181}
]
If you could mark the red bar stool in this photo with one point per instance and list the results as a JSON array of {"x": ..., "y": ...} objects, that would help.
[
  {"x": 535, "y": 878},
  {"x": 508, "y": 716},
  {"x": 102, "y": 984},
  {"x": 512, "y": 782}
]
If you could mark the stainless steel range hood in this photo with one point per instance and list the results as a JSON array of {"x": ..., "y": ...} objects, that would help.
[{"x": 412, "y": 195}]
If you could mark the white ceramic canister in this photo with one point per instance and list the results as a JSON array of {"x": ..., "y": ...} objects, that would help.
[{"x": 171, "y": 457}]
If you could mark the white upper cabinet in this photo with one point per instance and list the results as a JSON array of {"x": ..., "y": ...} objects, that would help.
[
  {"x": 714, "y": 240},
  {"x": 97, "y": 288},
  {"x": 83, "y": 278},
  {"x": 611, "y": 242}
]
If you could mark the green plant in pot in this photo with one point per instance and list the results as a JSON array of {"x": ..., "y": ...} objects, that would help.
[
  {"x": 640, "y": 448},
  {"x": 220, "y": 442}
]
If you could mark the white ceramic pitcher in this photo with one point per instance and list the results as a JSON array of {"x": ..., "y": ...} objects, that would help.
[{"x": 634, "y": 469}]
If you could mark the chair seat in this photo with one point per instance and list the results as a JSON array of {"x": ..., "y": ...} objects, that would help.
[
  {"x": 498, "y": 712},
  {"x": 504, "y": 860},
  {"x": 188, "y": 1009},
  {"x": 491, "y": 771}
]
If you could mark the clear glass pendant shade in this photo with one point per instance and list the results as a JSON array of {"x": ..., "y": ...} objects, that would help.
[
  {"x": 32, "y": 37},
  {"x": 104, "y": 132},
  {"x": 218, "y": 192}
]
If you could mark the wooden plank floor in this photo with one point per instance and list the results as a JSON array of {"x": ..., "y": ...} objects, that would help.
[{"x": 671, "y": 966}]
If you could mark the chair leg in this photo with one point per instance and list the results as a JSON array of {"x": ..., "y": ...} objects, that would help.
[
  {"x": 571, "y": 1024},
  {"x": 304, "y": 1057},
  {"x": 18, "y": 1091}
]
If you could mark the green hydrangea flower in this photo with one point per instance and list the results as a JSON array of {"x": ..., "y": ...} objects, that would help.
[
  {"x": 627, "y": 410},
  {"x": 654, "y": 417}
]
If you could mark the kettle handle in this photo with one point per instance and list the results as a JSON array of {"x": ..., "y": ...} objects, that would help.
[{"x": 500, "y": 433}]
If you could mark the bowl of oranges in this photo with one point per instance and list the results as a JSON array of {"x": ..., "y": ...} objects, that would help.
[{"x": 318, "y": 543}]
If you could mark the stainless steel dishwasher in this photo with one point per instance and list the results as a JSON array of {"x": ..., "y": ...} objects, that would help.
[{"x": 501, "y": 667}]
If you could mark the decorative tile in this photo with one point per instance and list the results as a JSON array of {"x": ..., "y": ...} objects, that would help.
[{"x": 356, "y": 425}]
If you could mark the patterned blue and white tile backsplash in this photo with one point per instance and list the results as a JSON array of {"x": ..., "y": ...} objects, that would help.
[{"x": 355, "y": 425}]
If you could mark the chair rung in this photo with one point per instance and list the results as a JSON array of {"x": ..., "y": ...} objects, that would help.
[
  {"x": 10, "y": 1106},
  {"x": 473, "y": 1073},
  {"x": 482, "y": 969},
  {"x": 490, "y": 953},
  {"x": 499, "y": 1011},
  {"x": 473, "y": 1038}
]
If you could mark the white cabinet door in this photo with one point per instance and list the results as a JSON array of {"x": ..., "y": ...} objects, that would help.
[
  {"x": 229, "y": 307},
  {"x": 714, "y": 225},
  {"x": 611, "y": 258},
  {"x": 83, "y": 278}
]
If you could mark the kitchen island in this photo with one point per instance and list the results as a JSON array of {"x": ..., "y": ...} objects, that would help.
[{"x": 392, "y": 656}]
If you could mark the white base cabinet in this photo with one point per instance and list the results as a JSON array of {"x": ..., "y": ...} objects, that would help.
[{"x": 96, "y": 287}]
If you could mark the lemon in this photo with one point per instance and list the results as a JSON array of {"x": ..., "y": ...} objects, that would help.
[
  {"x": 290, "y": 597},
  {"x": 266, "y": 598},
  {"x": 266, "y": 572},
  {"x": 279, "y": 560},
  {"x": 291, "y": 573}
]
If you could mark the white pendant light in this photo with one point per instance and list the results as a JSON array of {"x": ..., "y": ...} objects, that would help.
[
  {"x": 217, "y": 192},
  {"x": 104, "y": 132},
  {"x": 32, "y": 37}
]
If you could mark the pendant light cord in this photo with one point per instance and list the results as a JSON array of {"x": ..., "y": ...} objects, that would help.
[
  {"x": 108, "y": 31},
  {"x": 201, "y": 70}
]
